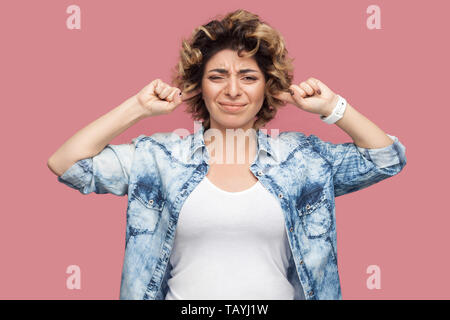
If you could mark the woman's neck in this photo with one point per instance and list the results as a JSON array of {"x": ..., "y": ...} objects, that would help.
[{"x": 231, "y": 146}]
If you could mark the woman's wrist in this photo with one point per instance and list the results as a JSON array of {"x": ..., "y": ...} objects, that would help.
[
  {"x": 330, "y": 107},
  {"x": 137, "y": 111}
]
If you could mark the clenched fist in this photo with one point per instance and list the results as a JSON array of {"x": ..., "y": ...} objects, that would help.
[{"x": 160, "y": 98}]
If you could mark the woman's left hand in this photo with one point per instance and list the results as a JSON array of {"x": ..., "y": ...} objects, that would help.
[{"x": 312, "y": 96}]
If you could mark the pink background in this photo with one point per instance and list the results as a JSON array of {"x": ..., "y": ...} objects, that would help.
[{"x": 55, "y": 81}]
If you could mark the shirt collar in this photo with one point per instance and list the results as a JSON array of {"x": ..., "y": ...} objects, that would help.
[{"x": 262, "y": 138}]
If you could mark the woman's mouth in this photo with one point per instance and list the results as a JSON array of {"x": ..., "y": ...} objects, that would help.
[{"x": 232, "y": 107}]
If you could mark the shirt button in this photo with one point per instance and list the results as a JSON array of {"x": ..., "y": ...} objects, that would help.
[
  {"x": 308, "y": 206},
  {"x": 280, "y": 195},
  {"x": 301, "y": 261},
  {"x": 311, "y": 293},
  {"x": 260, "y": 173},
  {"x": 291, "y": 229},
  {"x": 150, "y": 201}
]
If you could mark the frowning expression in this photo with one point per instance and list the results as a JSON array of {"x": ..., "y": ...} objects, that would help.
[{"x": 233, "y": 90}]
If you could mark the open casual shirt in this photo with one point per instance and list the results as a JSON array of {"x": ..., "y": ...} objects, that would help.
[{"x": 303, "y": 173}]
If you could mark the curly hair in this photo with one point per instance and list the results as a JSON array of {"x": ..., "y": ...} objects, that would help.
[{"x": 239, "y": 31}]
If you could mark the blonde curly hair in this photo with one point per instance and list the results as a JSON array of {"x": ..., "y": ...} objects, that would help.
[{"x": 240, "y": 31}]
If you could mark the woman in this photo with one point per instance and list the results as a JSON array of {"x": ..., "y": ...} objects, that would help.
[{"x": 253, "y": 220}]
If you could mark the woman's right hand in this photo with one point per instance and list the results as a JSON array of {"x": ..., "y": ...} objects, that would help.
[{"x": 160, "y": 98}]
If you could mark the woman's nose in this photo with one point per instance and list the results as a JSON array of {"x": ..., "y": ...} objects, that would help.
[{"x": 233, "y": 87}]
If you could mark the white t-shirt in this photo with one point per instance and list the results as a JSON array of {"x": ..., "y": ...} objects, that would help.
[{"x": 230, "y": 245}]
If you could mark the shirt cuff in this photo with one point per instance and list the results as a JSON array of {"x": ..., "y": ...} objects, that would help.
[
  {"x": 387, "y": 156},
  {"x": 78, "y": 175}
]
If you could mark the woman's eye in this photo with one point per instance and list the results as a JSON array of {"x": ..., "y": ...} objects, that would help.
[{"x": 247, "y": 78}]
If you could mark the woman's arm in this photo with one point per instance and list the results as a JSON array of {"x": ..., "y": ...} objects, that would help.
[
  {"x": 93, "y": 138},
  {"x": 314, "y": 96},
  {"x": 365, "y": 133}
]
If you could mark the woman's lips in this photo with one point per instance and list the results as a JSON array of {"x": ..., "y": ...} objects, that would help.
[{"x": 231, "y": 108}]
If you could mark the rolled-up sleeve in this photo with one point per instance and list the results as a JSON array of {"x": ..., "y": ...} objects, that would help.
[
  {"x": 355, "y": 168},
  {"x": 106, "y": 172}
]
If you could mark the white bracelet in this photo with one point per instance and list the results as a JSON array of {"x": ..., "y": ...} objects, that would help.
[{"x": 338, "y": 111}]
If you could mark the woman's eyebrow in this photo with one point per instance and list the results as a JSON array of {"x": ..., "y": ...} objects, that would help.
[{"x": 223, "y": 71}]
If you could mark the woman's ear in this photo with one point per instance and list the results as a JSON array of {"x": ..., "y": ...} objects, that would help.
[
  {"x": 285, "y": 96},
  {"x": 188, "y": 95}
]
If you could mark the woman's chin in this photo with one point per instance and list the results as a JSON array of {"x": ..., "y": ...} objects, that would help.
[{"x": 232, "y": 122}]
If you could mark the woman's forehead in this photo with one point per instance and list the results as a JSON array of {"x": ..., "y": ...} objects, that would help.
[{"x": 229, "y": 59}]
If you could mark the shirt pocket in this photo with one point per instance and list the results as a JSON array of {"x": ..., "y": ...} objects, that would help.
[
  {"x": 145, "y": 209},
  {"x": 314, "y": 211}
]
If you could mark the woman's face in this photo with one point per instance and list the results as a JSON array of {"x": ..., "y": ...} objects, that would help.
[{"x": 230, "y": 79}]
